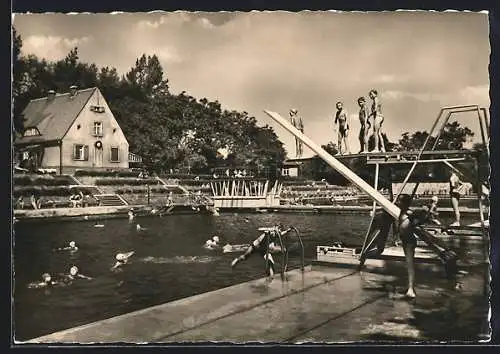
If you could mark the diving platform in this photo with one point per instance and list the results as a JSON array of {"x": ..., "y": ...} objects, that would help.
[
  {"x": 320, "y": 304},
  {"x": 401, "y": 157}
]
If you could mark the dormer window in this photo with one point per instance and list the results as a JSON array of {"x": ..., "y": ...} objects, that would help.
[
  {"x": 31, "y": 132},
  {"x": 97, "y": 128},
  {"x": 97, "y": 109}
]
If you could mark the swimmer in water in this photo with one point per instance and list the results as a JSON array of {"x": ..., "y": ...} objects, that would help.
[
  {"x": 122, "y": 259},
  {"x": 74, "y": 274},
  {"x": 213, "y": 243},
  {"x": 46, "y": 281},
  {"x": 260, "y": 246},
  {"x": 140, "y": 228},
  {"x": 71, "y": 247},
  {"x": 341, "y": 119}
]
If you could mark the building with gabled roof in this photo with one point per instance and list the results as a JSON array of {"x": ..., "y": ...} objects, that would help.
[{"x": 70, "y": 131}]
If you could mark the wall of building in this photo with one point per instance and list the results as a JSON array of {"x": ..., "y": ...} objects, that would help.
[
  {"x": 51, "y": 157},
  {"x": 82, "y": 132},
  {"x": 290, "y": 171}
]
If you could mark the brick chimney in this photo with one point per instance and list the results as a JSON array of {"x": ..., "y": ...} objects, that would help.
[
  {"x": 50, "y": 95},
  {"x": 73, "y": 91}
]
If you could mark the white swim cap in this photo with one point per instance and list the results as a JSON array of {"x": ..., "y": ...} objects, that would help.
[
  {"x": 46, "y": 277},
  {"x": 73, "y": 270},
  {"x": 215, "y": 238},
  {"x": 72, "y": 244},
  {"x": 435, "y": 198}
]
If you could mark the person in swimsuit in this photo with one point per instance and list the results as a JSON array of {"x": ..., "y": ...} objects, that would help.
[
  {"x": 74, "y": 274},
  {"x": 364, "y": 131},
  {"x": 71, "y": 247},
  {"x": 260, "y": 246},
  {"x": 406, "y": 224},
  {"x": 296, "y": 121},
  {"x": 455, "y": 192},
  {"x": 46, "y": 282},
  {"x": 378, "y": 119},
  {"x": 431, "y": 211},
  {"x": 341, "y": 118}
]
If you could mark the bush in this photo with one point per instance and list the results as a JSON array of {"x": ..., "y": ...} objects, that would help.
[
  {"x": 126, "y": 181},
  {"x": 185, "y": 176},
  {"x": 118, "y": 173},
  {"x": 41, "y": 191},
  {"x": 38, "y": 180}
]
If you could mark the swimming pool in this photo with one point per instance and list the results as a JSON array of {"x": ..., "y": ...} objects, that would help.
[{"x": 169, "y": 262}]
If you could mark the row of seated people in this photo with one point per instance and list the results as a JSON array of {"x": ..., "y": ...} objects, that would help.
[{"x": 74, "y": 201}]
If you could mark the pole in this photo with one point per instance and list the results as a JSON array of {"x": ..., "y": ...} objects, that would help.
[
  {"x": 60, "y": 158},
  {"x": 388, "y": 206}
]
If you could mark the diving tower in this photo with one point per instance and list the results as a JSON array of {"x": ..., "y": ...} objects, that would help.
[{"x": 377, "y": 234}]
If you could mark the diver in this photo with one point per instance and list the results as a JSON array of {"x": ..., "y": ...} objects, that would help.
[
  {"x": 71, "y": 247},
  {"x": 264, "y": 245}
]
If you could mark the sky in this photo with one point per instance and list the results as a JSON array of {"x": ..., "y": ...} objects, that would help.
[{"x": 418, "y": 61}]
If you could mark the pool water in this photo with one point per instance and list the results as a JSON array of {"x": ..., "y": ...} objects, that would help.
[{"x": 169, "y": 262}]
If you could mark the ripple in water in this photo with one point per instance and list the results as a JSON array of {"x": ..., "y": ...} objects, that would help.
[{"x": 179, "y": 259}]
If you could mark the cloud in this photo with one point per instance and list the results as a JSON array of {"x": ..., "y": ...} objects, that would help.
[
  {"x": 388, "y": 79},
  {"x": 51, "y": 47},
  {"x": 205, "y": 23},
  {"x": 176, "y": 19},
  {"x": 419, "y": 96},
  {"x": 468, "y": 95},
  {"x": 479, "y": 94},
  {"x": 168, "y": 54}
]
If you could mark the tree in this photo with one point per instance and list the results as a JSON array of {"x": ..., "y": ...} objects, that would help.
[
  {"x": 147, "y": 76},
  {"x": 155, "y": 122},
  {"x": 453, "y": 137}
]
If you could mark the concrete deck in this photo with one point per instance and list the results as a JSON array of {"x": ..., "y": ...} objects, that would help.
[
  {"x": 90, "y": 213},
  {"x": 321, "y": 304}
]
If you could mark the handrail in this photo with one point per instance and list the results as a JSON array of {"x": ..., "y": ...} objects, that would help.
[{"x": 285, "y": 251}]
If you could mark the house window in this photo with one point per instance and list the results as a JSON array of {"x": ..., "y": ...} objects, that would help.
[
  {"x": 97, "y": 109},
  {"x": 115, "y": 156},
  {"x": 97, "y": 128},
  {"x": 31, "y": 132},
  {"x": 81, "y": 152}
]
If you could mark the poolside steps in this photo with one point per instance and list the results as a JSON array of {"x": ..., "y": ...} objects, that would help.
[{"x": 110, "y": 200}]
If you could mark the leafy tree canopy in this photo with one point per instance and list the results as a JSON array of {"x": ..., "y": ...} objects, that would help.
[{"x": 170, "y": 131}]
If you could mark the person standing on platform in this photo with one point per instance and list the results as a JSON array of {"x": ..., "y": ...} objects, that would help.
[
  {"x": 364, "y": 131},
  {"x": 378, "y": 119},
  {"x": 296, "y": 121},
  {"x": 456, "y": 191},
  {"x": 342, "y": 126}
]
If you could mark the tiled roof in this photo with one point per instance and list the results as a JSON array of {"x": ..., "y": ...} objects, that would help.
[{"x": 54, "y": 117}]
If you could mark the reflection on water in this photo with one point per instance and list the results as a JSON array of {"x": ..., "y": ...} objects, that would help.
[
  {"x": 179, "y": 259},
  {"x": 169, "y": 262}
]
